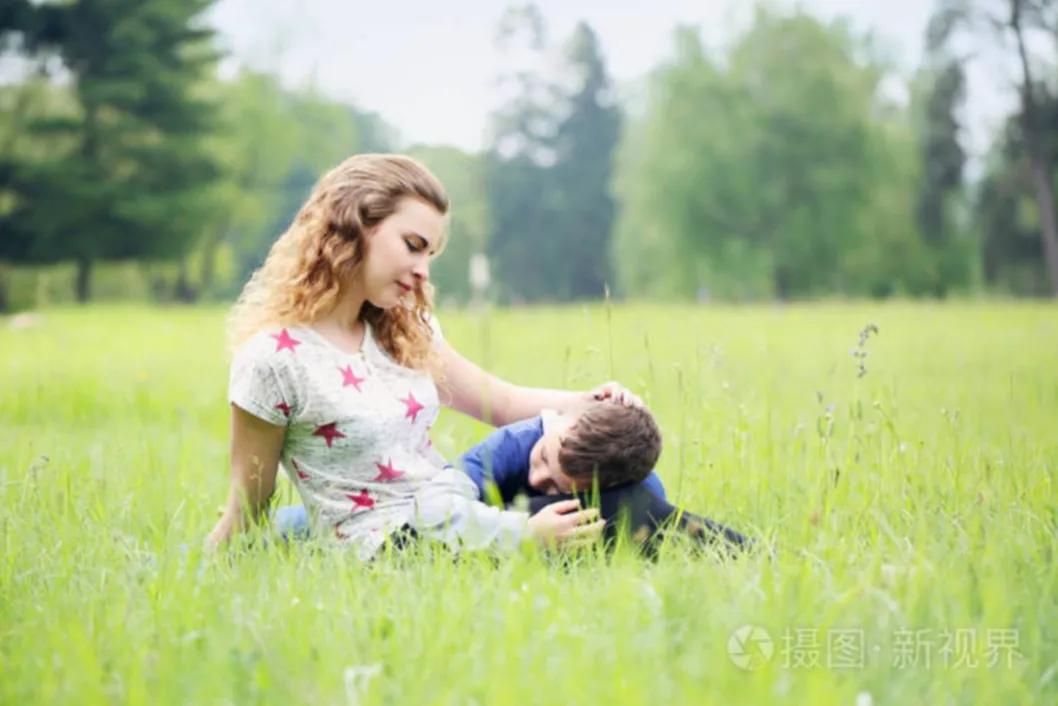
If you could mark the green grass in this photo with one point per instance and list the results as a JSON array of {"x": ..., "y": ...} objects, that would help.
[{"x": 919, "y": 497}]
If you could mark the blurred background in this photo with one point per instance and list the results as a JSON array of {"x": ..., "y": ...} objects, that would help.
[{"x": 154, "y": 149}]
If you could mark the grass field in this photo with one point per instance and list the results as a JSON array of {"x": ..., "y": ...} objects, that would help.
[{"x": 912, "y": 512}]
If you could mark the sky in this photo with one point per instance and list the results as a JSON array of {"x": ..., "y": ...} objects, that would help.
[{"x": 430, "y": 69}]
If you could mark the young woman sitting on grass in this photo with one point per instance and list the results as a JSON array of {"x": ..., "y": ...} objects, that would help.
[{"x": 339, "y": 370}]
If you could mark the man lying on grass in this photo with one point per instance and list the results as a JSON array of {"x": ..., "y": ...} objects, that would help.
[{"x": 604, "y": 448}]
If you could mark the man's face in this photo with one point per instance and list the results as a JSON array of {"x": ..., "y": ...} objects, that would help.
[{"x": 545, "y": 473}]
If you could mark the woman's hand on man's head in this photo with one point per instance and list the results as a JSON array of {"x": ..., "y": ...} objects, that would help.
[{"x": 614, "y": 391}]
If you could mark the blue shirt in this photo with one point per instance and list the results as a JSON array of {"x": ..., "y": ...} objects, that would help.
[{"x": 503, "y": 458}]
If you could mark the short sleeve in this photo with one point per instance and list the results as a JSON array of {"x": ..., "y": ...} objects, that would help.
[{"x": 257, "y": 384}]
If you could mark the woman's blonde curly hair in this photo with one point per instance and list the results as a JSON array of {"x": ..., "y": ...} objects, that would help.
[{"x": 300, "y": 281}]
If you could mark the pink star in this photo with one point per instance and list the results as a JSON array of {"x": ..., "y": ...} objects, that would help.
[
  {"x": 350, "y": 378},
  {"x": 387, "y": 472},
  {"x": 413, "y": 407},
  {"x": 362, "y": 499},
  {"x": 284, "y": 340},
  {"x": 284, "y": 408},
  {"x": 297, "y": 469},
  {"x": 329, "y": 432}
]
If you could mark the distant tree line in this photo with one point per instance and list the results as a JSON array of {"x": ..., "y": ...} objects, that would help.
[{"x": 778, "y": 165}]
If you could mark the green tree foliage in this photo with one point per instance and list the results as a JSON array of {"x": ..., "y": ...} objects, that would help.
[
  {"x": 776, "y": 170},
  {"x": 549, "y": 170},
  {"x": 585, "y": 143},
  {"x": 1022, "y": 28},
  {"x": 463, "y": 175},
  {"x": 941, "y": 197},
  {"x": 1007, "y": 210},
  {"x": 135, "y": 179},
  {"x": 275, "y": 143},
  {"x": 32, "y": 102}
]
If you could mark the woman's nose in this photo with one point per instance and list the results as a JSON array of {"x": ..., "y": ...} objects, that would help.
[{"x": 421, "y": 271}]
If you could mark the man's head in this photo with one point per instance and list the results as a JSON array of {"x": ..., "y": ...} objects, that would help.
[{"x": 604, "y": 441}]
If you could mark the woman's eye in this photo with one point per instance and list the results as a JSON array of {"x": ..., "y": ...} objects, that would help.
[{"x": 412, "y": 247}]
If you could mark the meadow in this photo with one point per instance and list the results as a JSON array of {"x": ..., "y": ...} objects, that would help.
[{"x": 901, "y": 484}]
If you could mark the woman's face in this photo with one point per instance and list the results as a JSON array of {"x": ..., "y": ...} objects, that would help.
[{"x": 398, "y": 252}]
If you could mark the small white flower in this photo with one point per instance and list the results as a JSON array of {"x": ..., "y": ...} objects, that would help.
[{"x": 357, "y": 678}]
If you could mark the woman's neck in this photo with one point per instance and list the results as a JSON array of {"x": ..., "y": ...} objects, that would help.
[{"x": 346, "y": 312}]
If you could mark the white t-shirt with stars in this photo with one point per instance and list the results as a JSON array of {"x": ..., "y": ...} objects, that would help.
[{"x": 357, "y": 445}]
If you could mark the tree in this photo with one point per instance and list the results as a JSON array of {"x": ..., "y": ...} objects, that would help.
[
  {"x": 1016, "y": 20},
  {"x": 1007, "y": 214},
  {"x": 549, "y": 169},
  {"x": 135, "y": 180},
  {"x": 273, "y": 145},
  {"x": 585, "y": 143},
  {"x": 736, "y": 182},
  {"x": 463, "y": 175},
  {"x": 521, "y": 152},
  {"x": 941, "y": 195}
]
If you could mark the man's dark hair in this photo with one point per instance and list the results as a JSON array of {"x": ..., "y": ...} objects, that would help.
[{"x": 611, "y": 442}]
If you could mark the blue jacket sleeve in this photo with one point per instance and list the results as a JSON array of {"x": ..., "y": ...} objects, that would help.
[
  {"x": 503, "y": 458},
  {"x": 653, "y": 483}
]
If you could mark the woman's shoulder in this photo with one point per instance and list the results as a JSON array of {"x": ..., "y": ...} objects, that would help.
[{"x": 278, "y": 345}]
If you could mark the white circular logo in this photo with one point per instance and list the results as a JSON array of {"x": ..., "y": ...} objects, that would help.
[{"x": 750, "y": 647}]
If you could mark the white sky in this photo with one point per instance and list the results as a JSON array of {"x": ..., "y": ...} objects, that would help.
[{"x": 429, "y": 68}]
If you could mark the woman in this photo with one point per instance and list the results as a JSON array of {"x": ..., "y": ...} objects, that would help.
[{"x": 340, "y": 368}]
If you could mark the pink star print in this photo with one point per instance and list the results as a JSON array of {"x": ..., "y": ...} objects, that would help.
[
  {"x": 297, "y": 469},
  {"x": 284, "y": 340},
  {"x": 350, "y": 378},
  {"x": 284, "y": 408},
  {"x": 329, "y": 432},
  {"x": 362, "y": 499},
  {"x": 387, "y": 472},
  {"x": 413, "y": 407}
]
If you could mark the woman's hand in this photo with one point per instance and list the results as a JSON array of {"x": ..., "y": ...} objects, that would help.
[
  {"x": 565, "y": 524},
  {"x": 255, "y": 450},
  {"x": 614, "y": 391}
]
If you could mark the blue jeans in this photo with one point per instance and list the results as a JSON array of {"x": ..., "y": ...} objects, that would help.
[{"x": 291, "y": 522}]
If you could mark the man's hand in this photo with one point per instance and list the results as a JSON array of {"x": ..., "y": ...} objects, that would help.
[{"x": 565, "y": 524}]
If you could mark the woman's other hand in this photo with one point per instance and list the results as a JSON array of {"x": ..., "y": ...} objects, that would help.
[{"x": 565, "y": 524}]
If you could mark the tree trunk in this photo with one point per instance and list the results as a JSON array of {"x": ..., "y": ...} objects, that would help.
[
  {"x": 1041, "y": 169},
  {"x": 183, "y": 291},
  {"x": 782, "y": 281},
  {"x": 209, "y": 261},
  {"x": 4, "y": 304},
  {"x": 84, "y": 280},
  {"x": 1041, "y": 176}
]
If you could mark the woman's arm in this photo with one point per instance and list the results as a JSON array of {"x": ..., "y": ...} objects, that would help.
[
  {"x": 255, "y": 449},
  {"x": 482, "y": 395}
]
